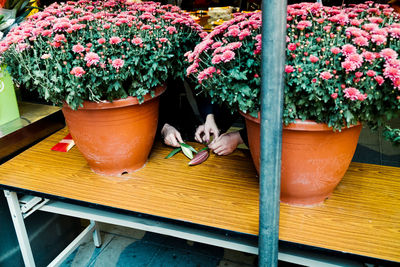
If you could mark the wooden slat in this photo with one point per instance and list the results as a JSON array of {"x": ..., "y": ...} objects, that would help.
[{"x": 362, "y": 216}]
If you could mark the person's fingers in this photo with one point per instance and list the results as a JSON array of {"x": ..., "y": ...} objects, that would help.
[
  {"x": 167, "y": 140},
  {"x": 174, "y": 142},
  {"x": 215, "y": 143},
  {"x": 171, "y": 140},
  {"x": 178, "y": 137},
  {"x": 222, "y": 153},
  {"x": 206, "y": 137},
  {"x": 218, "y": 150},
  {"x": 216, "y": 133},
  {"x": 197, "y": 134}
]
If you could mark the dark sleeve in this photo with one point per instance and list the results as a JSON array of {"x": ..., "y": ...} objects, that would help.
[
  {"x": 205, "y": 106},
  {"x": 169, "y": 108},
  {"x": 175, "y": 110},
  {"x": 243, "y": 134}
]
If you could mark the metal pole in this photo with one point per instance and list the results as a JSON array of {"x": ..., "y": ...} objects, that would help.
[{"x": 272, "y": 66}]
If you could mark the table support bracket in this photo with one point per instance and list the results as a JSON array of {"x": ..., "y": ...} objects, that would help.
[{"x": 20, "y": 229}]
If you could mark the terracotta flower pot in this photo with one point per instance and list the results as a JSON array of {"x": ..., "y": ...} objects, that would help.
[
  {"x": 314, "y": 158},
  {"x": 115, "y": 137}
]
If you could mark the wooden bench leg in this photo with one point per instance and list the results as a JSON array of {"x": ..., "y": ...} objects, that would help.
[{"x": 20, "y": 229}]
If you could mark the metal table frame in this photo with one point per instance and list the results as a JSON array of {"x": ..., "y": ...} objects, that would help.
[{"x": 22, "y": 207}]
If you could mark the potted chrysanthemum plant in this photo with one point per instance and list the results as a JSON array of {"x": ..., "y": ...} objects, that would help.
[
  {"x": 342, "y": 70},
  {"x": 106, "y": 62}
]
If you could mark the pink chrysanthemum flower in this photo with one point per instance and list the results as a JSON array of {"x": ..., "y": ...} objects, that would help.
[
  {"x": 349, "y": 49},
  {"x": 45, "y": 56},
  {"x": 209, "y": 71},
  {"x": 118, "y": 63},
  {"x": 115, "y": 40},
  {"x": 391, "y": 73},
  {"x": 351, "y": 93},
  {"x": 92, "y": 58},
  {"x": 380, "y": 31},
  {"x": 101, "y": 41},
  {"x": 341, "y": 19},
  {"x": 76, "y": 27},
  {"x": 356, "y": 59},
  {"x": 171, "y": 29},
  {"x": 395, "y": 63},
  {"x": 378, "y": 39},
  {"x": 292, "y": 46},
  {"x": 376, "y": 20},
  {"x": 326, "y": 75},
  {"x": 371, "y": 73},
  {"x": 163, "y": 40},
  {"x": 78, "y": 48},
  {"x": 137, "y": 41},
  {"x": 370, "y": 26},
  {"x": 314, "y": 59},
  {"x": 355, "y": 22},
  {"x": 303, "y": 24},
  {"x": 47, "y": 33},
  {"x": 192, "y": 69},
  {"x": 244, "y": 33},
  {"x": 368, "y": 56},
  {"x": 289, "y": 69},
  {"x": 228, "y": 56},
  {"x": 379, "y": 79},
  {"x": 216, "y": 45},
  {"x": 234, "y": 45},
  {"x": 61, "y": 26},
  {"x": 202, "y": 35},
  {"x": 234, "y": 31},
  {"x": 361, "y": 41},
  {"x": 361, "y": 97},
  {"x": 216, "y": 59},
  {"x": 396, "y": 83},
  {"x": 394, "y": 32},
  {"x": 348, "y": 65},
  {"x": 388, "y": 53},
  {"x": 335, "y": 50},
  {"x": 22, "y": 46},
  {"x": 59, "y": 38},
  {"x": 78, "y": 71}
]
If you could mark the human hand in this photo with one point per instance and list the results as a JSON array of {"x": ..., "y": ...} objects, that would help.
[
  {"x": 204, "y": 132},
  {"x": 226, "y": 143},
  {"x": 172, "y": 137}
]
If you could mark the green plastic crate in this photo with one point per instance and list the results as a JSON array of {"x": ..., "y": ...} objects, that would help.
[{"x": 8, "y": 101}]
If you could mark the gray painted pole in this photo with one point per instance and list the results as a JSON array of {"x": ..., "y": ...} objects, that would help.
[{"x": 272, "y": 82}]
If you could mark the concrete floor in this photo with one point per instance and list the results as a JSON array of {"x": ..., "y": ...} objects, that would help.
[{"x": 128, "y": 247}]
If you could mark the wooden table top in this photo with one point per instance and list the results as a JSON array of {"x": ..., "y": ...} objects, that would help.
[{"x": 362, "y": 217}]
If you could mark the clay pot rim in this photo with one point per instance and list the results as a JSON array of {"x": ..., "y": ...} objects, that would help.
[
  {"x": 130, "y": 100},
  {"x": 300, "y": 125}
]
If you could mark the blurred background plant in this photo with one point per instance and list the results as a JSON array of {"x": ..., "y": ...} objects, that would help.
[{"x": 19, "y": 8}]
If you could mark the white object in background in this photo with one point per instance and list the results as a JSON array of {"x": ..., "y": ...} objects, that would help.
[{"x": 7, "y": 24}]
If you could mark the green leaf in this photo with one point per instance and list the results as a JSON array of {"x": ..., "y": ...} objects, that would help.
[
  {"x": 204, "y": 148},
  {"x": 173, "y": 152},
  {"x": 254, "y": 114},
  {"x": 188, "y": 153},
  {"x": 189, "y": 147}
]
